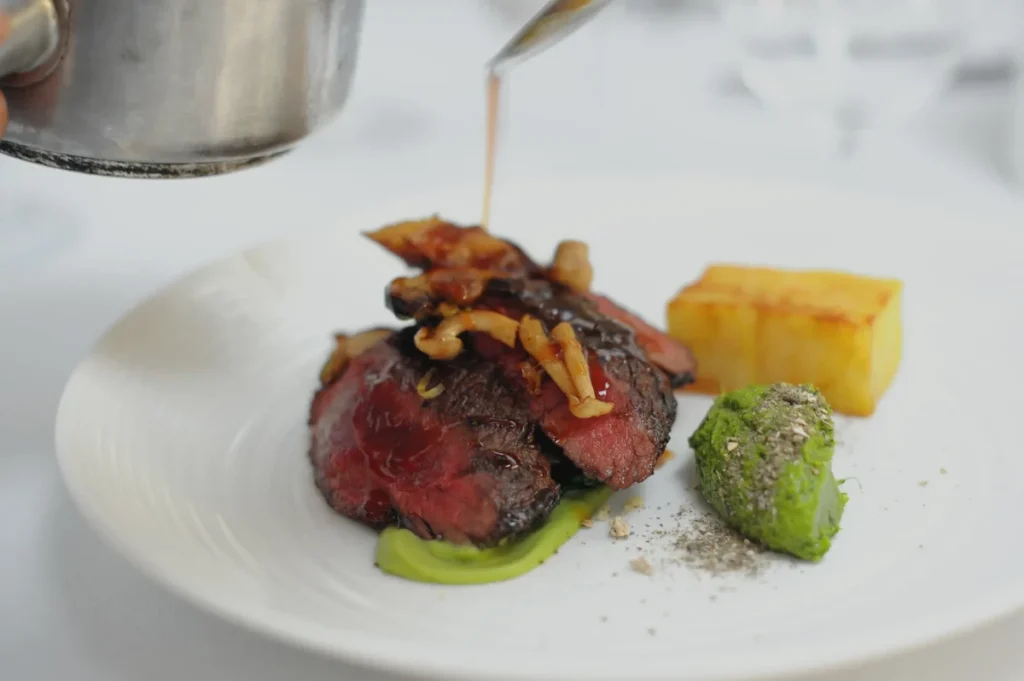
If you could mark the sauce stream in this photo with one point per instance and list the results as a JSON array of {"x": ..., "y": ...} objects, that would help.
[{"x": 493, "y": 91}]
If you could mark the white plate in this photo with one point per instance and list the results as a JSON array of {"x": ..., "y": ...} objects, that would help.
[{"x": 182, "y": 439}]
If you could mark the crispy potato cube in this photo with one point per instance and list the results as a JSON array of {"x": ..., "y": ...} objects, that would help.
[{"x": 840, "y": 332}]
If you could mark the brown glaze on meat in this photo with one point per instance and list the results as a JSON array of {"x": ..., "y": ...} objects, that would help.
[
  {"x": 435, "y": 243},
  {"x": 671, "y": 356},
  {"x": 420, "y": 297},
  {"x": 622, "y": 447},
  {"x": 468, "y": 260}
]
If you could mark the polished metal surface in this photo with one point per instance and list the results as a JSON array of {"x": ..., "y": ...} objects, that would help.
[
  {"x": 34, "y": 37},
  {"x": 179, "y": 88},
  {"x": 551, "y": 24}
]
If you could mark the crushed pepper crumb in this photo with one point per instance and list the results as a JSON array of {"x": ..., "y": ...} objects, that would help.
[
  {"x": 923, "y": 483},
  {"x": 587, "y": 523},
  {"x": 619, "y": 528},
  {"x": 642, "y": 565},
  {"x": 943, "y": 471},
  {"x": 709, "y": 545},
  {"x": 602, "y": 514},
  {"x": 632, "y": 504}
]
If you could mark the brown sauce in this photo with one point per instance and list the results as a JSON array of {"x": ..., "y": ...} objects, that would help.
[{"x": 493, "y": 90}]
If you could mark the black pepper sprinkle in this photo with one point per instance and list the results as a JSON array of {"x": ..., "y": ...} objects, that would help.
[
  {"x": 786, "y": 413},
  {"x": 709, "y": 545},
  {"x": 701, "y": 541}
]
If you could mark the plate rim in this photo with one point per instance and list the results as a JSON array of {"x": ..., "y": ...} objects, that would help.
[{"x": 373, "y": 652}]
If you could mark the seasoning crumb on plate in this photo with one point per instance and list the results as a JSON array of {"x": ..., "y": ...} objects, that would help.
[
  {"x": 619, "y": 528},
  {"x": 923, "y": 483},
  {"x": 587, "y": 522},
  {"x": 709, "y": 545},
  {"x": 642, "y": 565},
  {"x": 602, "y": 514},
  {"x": 633, "y": 503},
  {"x": 942, "y": 471}
]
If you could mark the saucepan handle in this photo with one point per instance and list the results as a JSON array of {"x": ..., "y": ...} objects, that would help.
[{"x": 33, "y": 38}]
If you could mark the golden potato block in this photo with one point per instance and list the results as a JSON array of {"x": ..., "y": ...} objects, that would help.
[{"x": 840, "y": 332}]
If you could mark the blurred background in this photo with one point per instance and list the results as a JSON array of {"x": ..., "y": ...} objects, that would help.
[
  {"x": 734, "y": 85},
  {"x": 894, "y": 96},
  {"x": 901, "y": 97}
]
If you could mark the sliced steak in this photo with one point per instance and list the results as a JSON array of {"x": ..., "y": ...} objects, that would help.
[
  {"x": 622, "y": 447},
  {"x": 463, "y": 465},
  {"x": 671, "y": 356},
  {"x": 474, "y": 447}
]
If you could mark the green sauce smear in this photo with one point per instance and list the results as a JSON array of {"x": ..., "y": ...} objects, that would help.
[{"x": 402, "y": 554}]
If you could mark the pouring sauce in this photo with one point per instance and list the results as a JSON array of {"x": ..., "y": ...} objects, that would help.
[
  {"x": 555, "y": 21},
  {"x": 493, "y": 91}
]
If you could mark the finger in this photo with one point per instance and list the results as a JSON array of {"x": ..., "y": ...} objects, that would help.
[{"x": 34, "y": 76}]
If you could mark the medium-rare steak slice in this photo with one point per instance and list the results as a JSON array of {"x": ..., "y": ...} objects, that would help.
[
  {"x": 667, "y": 353},
  {"x": 446, "y": 449},
  {"x": 621, "y": 447}
]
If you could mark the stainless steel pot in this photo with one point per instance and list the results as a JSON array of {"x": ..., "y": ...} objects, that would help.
[{"x": 172, "y": 88}]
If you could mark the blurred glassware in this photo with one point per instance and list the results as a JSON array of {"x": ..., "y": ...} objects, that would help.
[{"x": 847, "y": 64}]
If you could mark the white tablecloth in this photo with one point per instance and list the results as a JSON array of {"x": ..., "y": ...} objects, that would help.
[{"x": 631, "y": 94}]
